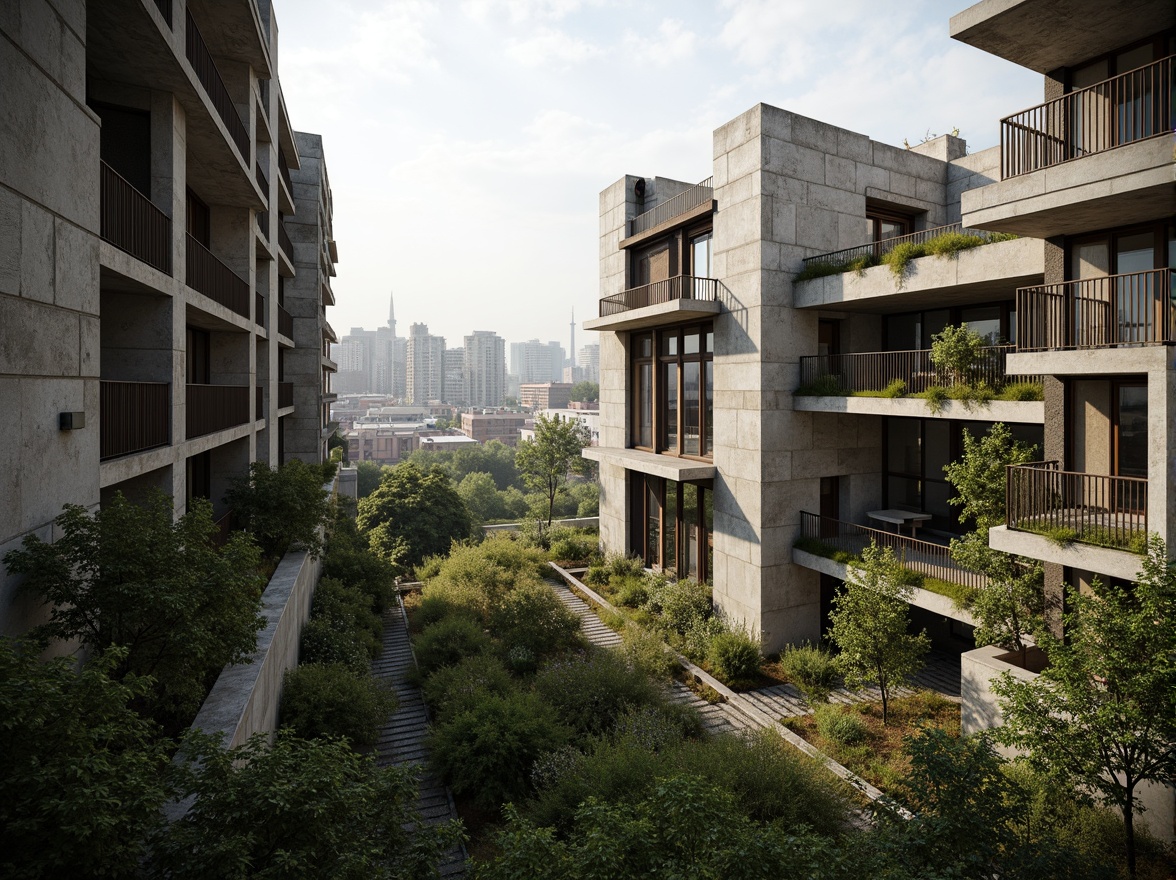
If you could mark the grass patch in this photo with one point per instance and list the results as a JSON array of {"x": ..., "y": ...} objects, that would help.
[
  {"x": 899, "y": 257},
  {"x": 894, "y": 389},
  {"x": 1098, "y": 536},
  {"x": 1021, "y": 391}
]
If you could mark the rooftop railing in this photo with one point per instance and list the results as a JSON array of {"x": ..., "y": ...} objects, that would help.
[
  {"x": 1136, "y": 308},
  {"x": 215, "y": 280},
  {"x": 285, "y": 322},
  {"x": 875, "y": 250},
  {"x": 1126, "y": 108},
  {"x": 699, "y": 194},
  {"x": 206, "y": 71},
  {"x": 926, "y": 558},
  {"x": 132, "y": 223},
  {"x": 1108, "y": 511},
  {"x": 133, "y": 417},
  {"x": 874, "y": 370},
  {"x": 212, "y": 408},
  {"x": 678, "y": 287}
]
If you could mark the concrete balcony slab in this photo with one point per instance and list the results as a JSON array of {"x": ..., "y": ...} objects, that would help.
[
  {"x": 657, "y": 315},
  {"x": 1101, "y": 560},
  {"x": 667, "y": 466},
  {"x": 1031, "y": 412},
  {"x": 1151, "y": 359}
]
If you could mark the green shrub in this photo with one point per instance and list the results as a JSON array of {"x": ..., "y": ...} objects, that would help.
[
  {"x": 597, "y": 575},
  {"x": 325, "y": 643},
  {"x": 696, "y": 641},
  {"x": 532, "y": 617},
  {"x": 435, "y": 608},
  {"x": 348, "y": 559},
  {"x": 949, "y": 244},
  {"x": 451, "y": 690},
  {"x": 589, "y": 693},
  {"x": 658, "y": 727},
  {"x": 811, "y": 669},
  {"x": 1021, "y": 391},
  {"x": 681, "y": 604},
  {"x": 646, "y": 651},
  {"x": 618, "y": 565},
  {"x": 899, "y": 257},
  {"x": 631, "y": 591},
  {"x": 486, "y": 752},
  {"x": 429, "y": 568},
  {"x": 838, "y": 725},
  {"x": 734, "y": 658},
  {"x": 823, "y": 386},
  {"x": 573, "y": 545},
  {"x": 895, "y": 389},
  {"x": 347, "y": 607},
  {"x": 449, "y": 641},
  {"x": 332, "y": 700}
]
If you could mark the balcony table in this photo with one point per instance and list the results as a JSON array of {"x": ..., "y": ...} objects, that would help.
[{"x": 900, "y": 518}]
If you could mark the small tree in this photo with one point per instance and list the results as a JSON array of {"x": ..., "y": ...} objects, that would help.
[
  {"x": 586, "y": 392},
  {"x": 956, "y": 351},
  {"x": 80, "y": 773},
  {"x": 367, "y": 477},
  {"x": 546, "y": 461},
  {"x": 481, "y": 497},
  {"x": 869, "y": 626},
  {"x": 413, "y": 515},
  {"x": 181, "y": 606},
  {"x": 1103, "y": 713},
  {"x": 1011, "y": 603},
  {"x": 284, "y": 507}
]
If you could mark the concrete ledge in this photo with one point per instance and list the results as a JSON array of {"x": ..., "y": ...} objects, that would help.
[
  {"x": 944, "y": 606},
  {"x": 667, "y": 466},
  {"x": 581, "y": 522},
  {"x": 1092, "y": 361},
  {"x": 672, "y": 312},
  {"x": 978, "y": 706},
  {"x": 1017, "y": 411},
  {"x": 988, "y": 271},
  {"x": 1101, "y": 560}
]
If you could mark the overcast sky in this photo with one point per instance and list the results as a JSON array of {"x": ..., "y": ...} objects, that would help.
[{"x": 467, "y": 142}]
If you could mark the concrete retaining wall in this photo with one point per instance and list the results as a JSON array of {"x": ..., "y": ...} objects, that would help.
[{"x": 583, "y": 522}]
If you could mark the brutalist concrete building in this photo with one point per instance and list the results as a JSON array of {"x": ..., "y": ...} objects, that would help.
[
  {"x": 760, "y": 351},
  {"x": 165, "y": 259}
]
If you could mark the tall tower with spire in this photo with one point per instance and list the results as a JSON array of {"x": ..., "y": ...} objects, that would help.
[
  {"x": 572, "y": 349},
  {"x": 391, "y": 315}
]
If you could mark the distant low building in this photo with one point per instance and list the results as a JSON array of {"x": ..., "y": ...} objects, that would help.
[
  {"x": 588, "y": 416},
  {"x": 484, "y": 427},
  {"x": 545, "y": 395}
]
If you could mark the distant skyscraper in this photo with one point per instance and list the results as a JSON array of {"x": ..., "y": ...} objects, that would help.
[
  {"x": 589, "y": 363},
  {"x": 455, "y": 376},
  {"x": 485, "y": 368},
  {"x": 425, "y": 376}
]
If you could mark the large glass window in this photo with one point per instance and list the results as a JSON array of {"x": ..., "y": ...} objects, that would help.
[
  {"x": 673, "y": 406},
  {"x": 673, "y": 523}
]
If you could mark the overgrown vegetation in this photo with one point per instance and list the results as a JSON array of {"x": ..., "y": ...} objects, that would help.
[
  {"x": 900, "y": 256},
  {"x": 282, "y": 507}
]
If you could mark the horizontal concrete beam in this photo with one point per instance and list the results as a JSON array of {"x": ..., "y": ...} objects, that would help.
[
  {"x": 1101, "y": 560},
  {"x": 1028, "y": 412},
  {"x": 667, "y": 466}
]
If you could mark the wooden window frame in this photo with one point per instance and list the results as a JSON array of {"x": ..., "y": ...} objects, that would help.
[{"x": 704, "y": 357}]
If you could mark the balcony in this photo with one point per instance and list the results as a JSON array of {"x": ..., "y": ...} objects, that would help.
[
  {"x": 261, "y": 179},
  {"x": 285, "y": 395},
  {"x": 681, "y": 298},
  {"x": 940, "y": 240},
  {"x": 696, "y": 197},
  {"x": 284, "y": 242},
  {"x": 133, "y": 224},
  {"x": 212, "y": 408},
  {"x": 1130, "y": 107},
  {"x": 133, "y": 417},
  {"x": 1114, "y": 310},
  {"x": 1065, "y": 506},
  {"x": 204, "y": 66},
  {"x": 844, "y": 542},
  {"x": 285, "y": 322},
  {"x": 214, "y": 279},
  {"x": 258, "y": 309},
  {"x": 876, "y": 372}
]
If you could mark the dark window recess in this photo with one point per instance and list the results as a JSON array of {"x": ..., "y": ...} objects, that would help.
[
  {"x": 125, "y": 143},
  {"x": 199, "y": 356},
  {"x": 199, "y": 476},
  {"x": 199, "y": 220}
]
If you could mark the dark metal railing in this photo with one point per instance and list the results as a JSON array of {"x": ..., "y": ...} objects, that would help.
[
  {"x": 215, "y": 280},
  {"x": 212, "y": 408},
  {"x": 285, "y": 394},
  {"x": 258, "y": 309},
  {"x": 284, "y": 171},
  {"x": 262, "y": 180},
  {"x": 284, "y": 242},
  {"x": 1121, "y": 110},
  {"x": 165, "y": 9},
  {"x": 201, "y": 60},
  {"x": 263, "y": 223},
  {"x": 1132, "y": 309},
  {"x": 688, "y": 200},
  {"x": 874, "y": 370},
  {"x": 878, "y": 249},
  {"x": 285, "y": 322},
  {"x": 1091, "y": 508},
  {"x": 132, "y": 223},
  {"x": 924, "y": 557},
  {"x": 133, "y": 416},
  {"x": 259, "y": 402},
  {"x": 678, "y": 287}
]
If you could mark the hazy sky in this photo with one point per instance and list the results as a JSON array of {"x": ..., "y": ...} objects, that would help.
[{"x": 467, "y": 142}]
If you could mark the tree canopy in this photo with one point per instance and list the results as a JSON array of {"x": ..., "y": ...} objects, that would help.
[
  {"x": 586, "y": 392},
  {"x": 546, "y": 461},
  {"x": 282, "y": 507}
]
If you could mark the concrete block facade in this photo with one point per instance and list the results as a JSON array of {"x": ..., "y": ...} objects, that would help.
[{"x": 141, "y": 274}]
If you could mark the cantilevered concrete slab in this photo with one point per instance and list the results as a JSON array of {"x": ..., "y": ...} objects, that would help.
[
  {"x": 666, "y": 466},
  {"x": 1027, "y": 412},
  {"x": 657, "y": 315}
]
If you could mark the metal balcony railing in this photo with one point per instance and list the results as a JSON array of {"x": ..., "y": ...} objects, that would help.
[
  {"x": 262, "y": 180},
  {"x": 688, "y": 200},
  {"x": 874, "y": 370},
  {"x": 285, "y": 322},
  {"x": 1121, "y": 110},
  {"x": 926, "y": 558},
  {"x": 678, "y": 287},
  {"x": 1091, "y": 508},
  {"x": 215, "y": 280},
  {"x": 133, "y": 417},
  {"x": 132, "y": 223},
  {"x": 1132, "y": 309},
  {"x": 284, "y": 242},
  {"x": 875, "y": 250},
  {"x": 284, "y": 172},
  {"x": 285, "y": 394},
  {"x": 263, "y": 224},
  {"x": 201, "y": 60},
  {"x": 211, "y": 408}
]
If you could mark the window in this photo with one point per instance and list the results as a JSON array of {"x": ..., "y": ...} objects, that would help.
[
  {"x": 672, "y": 403},
  {"x": 672, "y": 524},
  {"x": 887, "y": 224}
]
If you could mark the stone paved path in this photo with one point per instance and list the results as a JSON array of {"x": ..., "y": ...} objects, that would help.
[{"x": 402, "y": 741}]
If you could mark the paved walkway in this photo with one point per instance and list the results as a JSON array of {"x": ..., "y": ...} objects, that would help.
[{"x": 402, "y": 741}]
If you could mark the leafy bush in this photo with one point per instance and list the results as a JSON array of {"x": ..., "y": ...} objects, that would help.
[
  {"x": 1021, "y": 391},
  {"x": 429, "y": 568},
  {"x": 486, "y": 751},
  {"x": 682, "y": 604},
  {"x": 332, "y": 700},
  {"x": 734, "y": 658},
  {"x": 325, "y": 643},
  {"x": 838, "y": 725},
  {"x": 282, "y": 507},
  {"x": 348, "y": 608},
  {"x": 696, "y": 642},
  {"x": 532, "y": 617},
  {"x": 899, "y": 257},
  {"x": 632, "y": 592},
  {"x": 646, "y": 651},
  {"x": 451, "y": 690},
  {"x": 895, "y": 389},
  {"x": 811, "y": 669},
  {"x": 658, "y": 727},
  {"x": 949, "y": 244},
  {"x": 348, "y": 559},
  {"x": 589, "y": 693},
  {"x": 569, "y": 545},
  {"x": 449, "y": 641}
]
